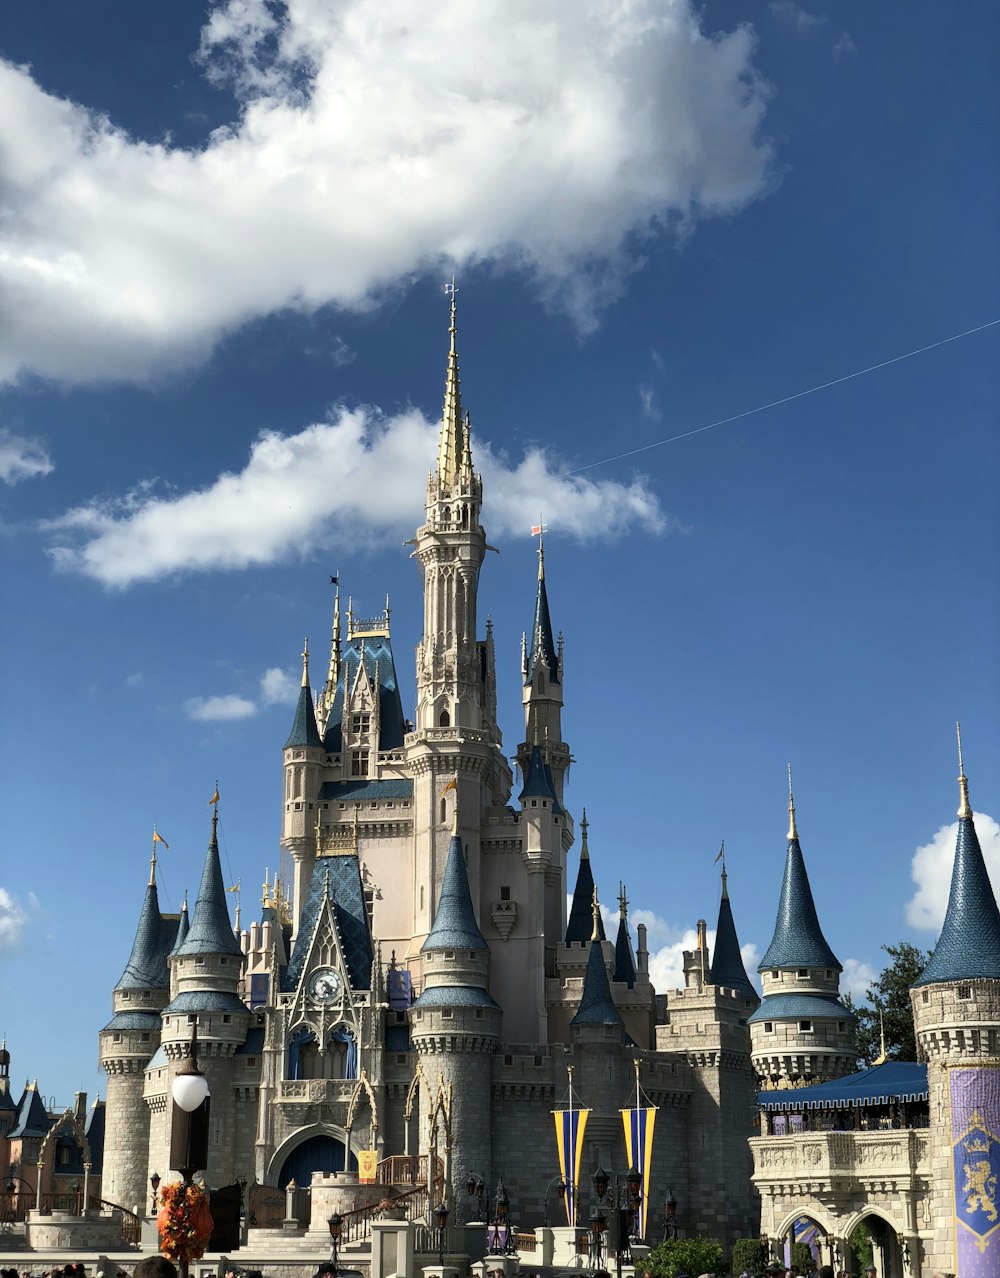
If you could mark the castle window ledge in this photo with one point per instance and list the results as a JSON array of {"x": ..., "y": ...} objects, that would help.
[{"x": 316, "y": 1091}]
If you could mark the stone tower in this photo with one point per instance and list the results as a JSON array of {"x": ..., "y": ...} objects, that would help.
[
  {"x": 126, "y": 1044},
  {"x": 454, "y": 1028},
  {"x": 956, "y": 1013},
  {"x": 801, "y": 1032}
]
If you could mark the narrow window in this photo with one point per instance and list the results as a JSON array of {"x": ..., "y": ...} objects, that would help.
[
  {"x": 444, "y": 719},
  {"x": 359, "y": 763},
  {"x": 965, "y": 991},
  {"x": 805, "y": 1027},
  {"x": 505, "y": 892}
]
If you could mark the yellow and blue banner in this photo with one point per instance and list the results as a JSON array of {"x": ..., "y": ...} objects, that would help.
[
  {"x": 570, "y": 1126},
  {"x": 638, "y": 1123},
  {"x": 975, "y": 1118}
]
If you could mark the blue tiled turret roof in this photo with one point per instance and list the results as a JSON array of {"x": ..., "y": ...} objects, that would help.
[
  {"x": 146, "y": 968},
  {"x": 211, "y": 931},
  {"x": 94, "y": 1132},
  {"x": 581, "y": 914},
  {"x": 455, "y": 996},
  {"x": 541, "y": 647},
  {"x": 597, "y": 1007},
  {"x": 792, "y": 1007},
  {"x": 624, "y": 958},
  {"x": 304, "y": 731},
  {"x": 455, "y": 926},
  {"x": 192, "y": 1001},
  {"x": 134, "y": 1021},
  {"x": 357, "y": 790},
  {"x": 337, "y": 878},
  {"x": 32, "y": 1119},
  {"x": 183, "y": 927},
  {"x": 727, "y": 962},
  {"x": 798, "y": 939},
  {"x": 968, "y": 948},
  {"x": 538, "y": 783}
]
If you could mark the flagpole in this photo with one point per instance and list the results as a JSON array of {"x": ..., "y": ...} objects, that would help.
[{"x": 571, "y": 1160}]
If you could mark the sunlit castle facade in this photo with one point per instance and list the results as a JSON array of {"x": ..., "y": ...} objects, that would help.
[{"x": 416, "y": 985}]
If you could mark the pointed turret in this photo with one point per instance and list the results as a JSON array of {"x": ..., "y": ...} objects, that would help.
[
  {"x": 455, "y": 925},
  {"x": 597, "y": 1007},
  {"x": 798, "y": 939},
  {"x": 183, "y": 926},
  {"x": 304, "y": 731},
  {"x": 453, "y": 444},
  {"x": 211, "y": 931},
  {"x": 625, "y": 970},
  {"x": 578, "y": 929},
  {"x": 538, "y": 783},
  {"x": 333, "y": 670},
  {"x": 542, "y": 647},
  {"x": 146, "y": 968},
  {"x": 968, "y": 947},
  {"x": 727, "y": 967}
]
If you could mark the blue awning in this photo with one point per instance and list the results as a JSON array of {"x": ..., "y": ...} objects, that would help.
[{"x": 879, "y": 1085}]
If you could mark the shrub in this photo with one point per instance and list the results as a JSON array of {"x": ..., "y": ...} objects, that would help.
[
  {"x": 749, "y": 1256},
  {"x": 692, "y": 1256},
  {"x": 802, "y": 1257}
]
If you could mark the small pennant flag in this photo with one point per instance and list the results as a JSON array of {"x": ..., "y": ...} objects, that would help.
[
  {"x": 158, "y": 838},
  {"x": 335, "y": 580},
  {"x": 538, "y": 529},
  {"x": 215, "y": 797},
  {"x": 234, "y": 888},
  {"x": 452, "y": 785},
  {"x": 722, "y": 853}
]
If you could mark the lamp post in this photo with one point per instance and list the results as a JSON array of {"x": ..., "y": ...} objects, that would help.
[
  {"x": 475, "y": 1187},
  {"x": 502, "y": 1213},
  {"x": 12, "y": 1192},
  {"x": 189, "y": 1123},
  {"x": 670, "y": 1215},
  {"x": 441, "y": 1220},
  {"x": 598, "y": 1220},
  {"x": 560, "y": 1187},
  {"x": 154, "y": 1184},
  {"x": 335, "y": 1224}
]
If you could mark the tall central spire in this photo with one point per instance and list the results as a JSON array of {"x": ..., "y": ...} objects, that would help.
[{"x": 453, "y": 443}]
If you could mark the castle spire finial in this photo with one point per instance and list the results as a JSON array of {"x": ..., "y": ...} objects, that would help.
[
  {"x": 584, "y": 827},
  {"x": 792, "y": 831},
  {"x": 964, "y": 808},
  {"x": 451, "y": 447},
  {"x": 333, "y": 670},
  {"x": 622, "y": 900},
  {"x": 722, "y": 857},
  {"x": 596, "y": 934},
  {"x": 305, "y": 664}
]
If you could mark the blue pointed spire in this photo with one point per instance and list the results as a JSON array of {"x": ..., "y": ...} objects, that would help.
[
  {"x": 304, "y": 731},
  {"x": 597, "y": 1007},
  {"x": 968, "y": 948},
  {"x": 579, "y": 928},
  {"x": 183, "y": 926},
  {"x": 625, "y": 970},
  {"x": 727, "y": 962},
  {"x": 538, "y": 783},
  {"x": 455, "y": 926},
  {"x": 798, "y": 939},
  {"x": 542, "y": 646},
  {"x": 211, "y": 931},
  {"x": 146, "y": 968}
]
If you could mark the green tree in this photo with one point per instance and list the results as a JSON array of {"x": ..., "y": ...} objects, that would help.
[
  {"x": 802, "y": 1257},
  {"x": 890, "y": 996},
  {"x": 686, "y": 1256},
  {"x": 749, "y": 1256}
]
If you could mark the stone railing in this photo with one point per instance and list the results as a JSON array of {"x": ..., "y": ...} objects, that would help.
[
  {"x": 316, "y": 1091},
  {"x": 827, "y": 1156}
]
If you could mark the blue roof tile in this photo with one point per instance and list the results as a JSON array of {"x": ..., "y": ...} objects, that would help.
[
  {"x": 597, "y": 1007},
  {"x": 879, "y": 1085},
  {"x": 542, "y": 647},
  {"x": 381, "y": 669},
  {"x": 211, "y": 931},
  {"x": 454, "y": 996},
  {"x": 793, "y": 1007},
  {"x": 146, "y": 968},
  {"x": 149, "y": 1021},
  {"x": 968, "y": 948},
  {"x": 798, "y": 939},
  {"x": 538, "y": 783},
  {"x": 455, "y": 926},
  {"x": 93, "y": 1129},
  {"x": 624, "y": 958},
  {"x": 32, "y": 1119},
  {"x": 727, "y": 968},
  {"x": 356, "y": 791},
  {"x": 337, "y": 878},
  {"x": 183, "y": 927},
  {"x": 192, "y": 1001},
  {"x": 304, "y": 731},
  {"x": 580, "y": 927}
]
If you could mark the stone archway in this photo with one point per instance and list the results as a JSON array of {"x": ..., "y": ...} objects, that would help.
[
  {"x": 885, "y": 1232},
  {"x": 324, "y": 1149},
  {"x": 46, "y": 1169}
]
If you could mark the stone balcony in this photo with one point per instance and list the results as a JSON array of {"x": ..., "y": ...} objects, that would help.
[
  {"x": 316, "y": 1091},
  {"x": 836, "y": 1162}
]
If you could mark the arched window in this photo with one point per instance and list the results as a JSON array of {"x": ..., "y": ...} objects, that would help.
[
  {"x": 444, "y": 719},
  {"x": 444, "y": 811}
]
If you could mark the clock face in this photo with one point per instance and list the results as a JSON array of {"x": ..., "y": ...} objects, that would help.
[{"x": 325, "y": 985}]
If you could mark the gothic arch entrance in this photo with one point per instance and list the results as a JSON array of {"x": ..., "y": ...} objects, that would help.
[{"x": 317, "y": 1154}]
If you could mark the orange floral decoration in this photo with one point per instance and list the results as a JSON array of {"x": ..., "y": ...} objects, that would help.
[{"x": 184, "y": 1221}]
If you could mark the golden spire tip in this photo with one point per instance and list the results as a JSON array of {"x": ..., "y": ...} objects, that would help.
[
  {"x": 964, "y": 808},
  {"x": 305, "y": 664},
  {"x": 595, "y": 935}
]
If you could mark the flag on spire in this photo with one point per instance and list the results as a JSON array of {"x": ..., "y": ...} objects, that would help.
[
  {"x": 158, "y": 838},
  {"x": 215, "y": 796}
]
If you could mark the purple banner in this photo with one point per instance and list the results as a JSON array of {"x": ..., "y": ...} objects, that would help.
[{"x": 975, "y": 1135}]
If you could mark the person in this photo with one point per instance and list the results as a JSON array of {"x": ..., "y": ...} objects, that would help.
[
  {"x": 825, "y": 1271},
  {"x": 155, "y": 1267}
]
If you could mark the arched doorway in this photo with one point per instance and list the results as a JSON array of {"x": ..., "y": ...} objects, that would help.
[{"x": 317, "y": 1154}]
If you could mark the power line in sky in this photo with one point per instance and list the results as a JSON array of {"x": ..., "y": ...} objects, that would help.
[{"x": 786, "y": 399}]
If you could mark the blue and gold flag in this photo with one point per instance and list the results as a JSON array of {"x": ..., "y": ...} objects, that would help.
[{"x": 570, "y": 1126}]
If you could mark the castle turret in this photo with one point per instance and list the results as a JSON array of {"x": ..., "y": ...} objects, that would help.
[
  {"x": 455, "y": 1027},
  {"x": 206, "y": 970},
  {"x": 542, "y": 693},
  {"x": 727, "y": 967},
  {"x": 127, "y": 1043},
  {"x": 579, "y": 927},
  {"x": 956, "y": 1010},
  {"x": 801, "y": 1031},
  {"x": 303, "y": 756},
  {"x": 625, "y": 968}
]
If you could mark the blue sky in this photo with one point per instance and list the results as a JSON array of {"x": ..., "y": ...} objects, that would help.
[{"x": 222, "y": 351}]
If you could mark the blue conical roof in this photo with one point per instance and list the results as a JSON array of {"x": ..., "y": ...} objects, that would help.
[
  {"x": 968, "y": 948},
  {"x": 624, "y": 958},
  {"x": 304, "y": 731},
  {"x": 183, "y": 927},
  {"x": 727, "y": 961},
  {"x": 798, "y": 939},
  {"x": 146, "y": 968},
  {"x": 538, "y": 783},
  {"x": 455, "y": 926},
  {"x": 581, "y": 914},
  {"x": 597, "y": 1007},
  {"x": 211, "y": 931},
  {"x": 542, "y": 646}
]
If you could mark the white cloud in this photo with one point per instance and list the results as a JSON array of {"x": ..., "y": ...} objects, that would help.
[
  {"x": 800, "y": 18},
  {"x": 278, "y": 687},
  {"x": 133, "y": 680},
  {"x": 537, "y": 135},
  {"x": 931, "y": 871},
  {"x": 855, "y": 979},
  {"x": 13, "y": 917},
  {"x": 843, "y": 44},
  {"x": 648, "y": 403},
  {"x": 349, "y": 480},
  {"x": 22, "y": 458},
  {"x": 219, "y": 709}
]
